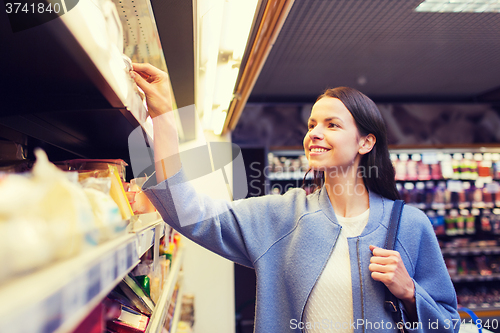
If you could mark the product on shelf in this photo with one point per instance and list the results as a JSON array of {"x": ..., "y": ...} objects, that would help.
[
  {"x": 44, "y": 212},
  {"x": 479, "y": 296},
  {"x": 117, "y": 192},
  {"x": 437, "y": 220},
  {"x": 132, "y": 289},
  {"x": 286, "y": 167},
  {"x": 128, "y": 321},
  {"x": 427, "y": 166},
  {"x": 187, "y": 310},
  {"x": 90, "y": 166},
  {"x": 106, "y": 212},
  {"x": 171, "y": 309},
  {"x": 93, "y": 323}
]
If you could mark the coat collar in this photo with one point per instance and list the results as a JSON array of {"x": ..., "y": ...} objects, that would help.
[{"x": 377, "y": 215}]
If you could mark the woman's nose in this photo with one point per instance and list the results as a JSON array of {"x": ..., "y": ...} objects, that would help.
[{"x": 316, "y": 133}]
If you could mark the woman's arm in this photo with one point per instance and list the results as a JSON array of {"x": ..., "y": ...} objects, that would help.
[
  {"x": 239, "y": 231},
  {"x": 156, "y": 85}
]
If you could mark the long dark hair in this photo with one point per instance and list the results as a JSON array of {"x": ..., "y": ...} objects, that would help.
[{"x": 368, "y": 121}]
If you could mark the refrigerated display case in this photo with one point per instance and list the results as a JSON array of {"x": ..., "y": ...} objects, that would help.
[{"x": 67, "y": 89}]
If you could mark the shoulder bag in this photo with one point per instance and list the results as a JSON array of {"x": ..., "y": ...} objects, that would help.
[{"x": 391, "y": 303}]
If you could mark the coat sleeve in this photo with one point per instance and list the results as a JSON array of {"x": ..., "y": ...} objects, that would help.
[
  {"x": 435, "y": 294},
  {"x": 240, "y": 230}
]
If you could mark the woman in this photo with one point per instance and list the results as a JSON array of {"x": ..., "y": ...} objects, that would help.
[{"x": 318, "y": 258}]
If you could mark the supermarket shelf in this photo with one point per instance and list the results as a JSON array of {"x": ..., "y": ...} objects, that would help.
[
  {"x": 146, "y": 238},
  {"x": 486, "y": 179},
  {"x": 158, "y": 317},
  {"x": 482, "y": 311},
  {"x": 475, "y": 278},
  {"x": 450, "y": 207},
  {"x": 178, "y": 309},
  {"x": 471, "y": 251},
  {"x": 58, "y": 297}
]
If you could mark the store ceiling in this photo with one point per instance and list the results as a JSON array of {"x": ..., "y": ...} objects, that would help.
[{"x": 385, "y": 49}]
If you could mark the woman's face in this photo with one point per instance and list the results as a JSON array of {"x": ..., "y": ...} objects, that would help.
[{"x": 332, "y": 140}]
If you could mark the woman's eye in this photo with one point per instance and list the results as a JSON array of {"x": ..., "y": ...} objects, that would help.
[
  {"x": 333, "y": 125},
  {"x": 310, "y": 126}
]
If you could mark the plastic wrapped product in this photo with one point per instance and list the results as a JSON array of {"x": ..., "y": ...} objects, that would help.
[
  {"x": 65, "y": 206},
  {"x": 24, "y": 245},
  {"x": 136, "y": 294},
  {"x": 106, "y": 212},
  {"x": 129, "y": 321},
  {"x": 118, "y": 194}
]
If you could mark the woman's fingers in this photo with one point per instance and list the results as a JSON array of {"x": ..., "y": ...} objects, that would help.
[
  {"x": 140, "y": 81},
  {"x": 388, "y": 267},
  {"x": 146, "y": 68},
  {"x": 378, "y": 251},
  {"x": 381, "y": 268},
  {"x": 155, "y": 84}
]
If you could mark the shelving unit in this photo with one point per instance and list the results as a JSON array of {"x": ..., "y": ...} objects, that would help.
[
  {"x": 57, "y": 298},
  {"x": 471, "y": 250},
  {"x": 158, "y": 317},
  {"x": 178, "y": 310},
  {"x": 69, "y": 90},
  {"x": 475, "y": 278}
]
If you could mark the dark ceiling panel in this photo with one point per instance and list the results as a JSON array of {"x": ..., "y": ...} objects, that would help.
[{"x": 383, "y": 48}]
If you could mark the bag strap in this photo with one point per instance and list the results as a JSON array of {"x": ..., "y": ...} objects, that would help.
[
  {"x": 391, "y": 303},
  {"x": 397, "y": 209}
]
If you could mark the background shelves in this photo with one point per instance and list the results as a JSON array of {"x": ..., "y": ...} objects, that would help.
[
  {"x": 475, "y": 278},
  {"x": 57, "y": 298},
  {"x": 471, "y": 251}
]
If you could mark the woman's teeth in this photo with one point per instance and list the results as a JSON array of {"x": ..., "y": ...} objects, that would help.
[{"x": 318, "y": 150}]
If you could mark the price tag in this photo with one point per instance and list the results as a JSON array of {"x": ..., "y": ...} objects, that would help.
[
  {"x": 107, "y": 271},
  {"x": 121, "y": 261},
  {"x": 52, "y": 307},
  {"x": 93, "y": 283},
  {"x": 142, "y": 244},
  {"x": 131, "y": 254},
  {"x": 73, "y": 296},
  {"x": 430, "y": 158},
  {"x": 136, "y": 248}
]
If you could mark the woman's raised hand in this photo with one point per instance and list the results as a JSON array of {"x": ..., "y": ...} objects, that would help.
[{"x": 156, "y": 85}]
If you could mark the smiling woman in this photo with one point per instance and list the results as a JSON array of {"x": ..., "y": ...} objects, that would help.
[
  {"x": 318, "y": 257},
  {"x": 344, "y": 122}
]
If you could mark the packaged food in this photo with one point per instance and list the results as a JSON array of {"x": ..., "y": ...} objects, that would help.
[
  {"x": 118, "y": 194},
  {"x": 49, "y": 215},
  {"x": 90, "y": 165},
  {"x": 128, "y": 321}
]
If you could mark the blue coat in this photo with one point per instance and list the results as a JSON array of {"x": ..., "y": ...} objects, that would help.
[{"x": 288, "y": 239}]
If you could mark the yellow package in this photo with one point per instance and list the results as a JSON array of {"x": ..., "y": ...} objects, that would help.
[{"x": 117, "y": 192}]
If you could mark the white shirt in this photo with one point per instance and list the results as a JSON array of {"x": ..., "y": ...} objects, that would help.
[{"x": 329, "y": 307}]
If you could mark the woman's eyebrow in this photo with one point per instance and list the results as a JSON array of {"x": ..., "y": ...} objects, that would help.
[
  {"x": 326, "y": 119},
  {"x": 333, "y": 118}
]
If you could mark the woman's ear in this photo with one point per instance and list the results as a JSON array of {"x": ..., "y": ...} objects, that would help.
[{"x": 366, "y": 144}]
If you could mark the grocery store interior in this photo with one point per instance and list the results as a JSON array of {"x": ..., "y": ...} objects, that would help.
[{"x": 83, "y": 249}]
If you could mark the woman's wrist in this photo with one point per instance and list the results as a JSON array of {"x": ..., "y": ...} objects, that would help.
[{"x": 410, "y": 293}]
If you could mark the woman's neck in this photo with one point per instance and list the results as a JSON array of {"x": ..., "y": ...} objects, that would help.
[{"x": 347, "y": 192}]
